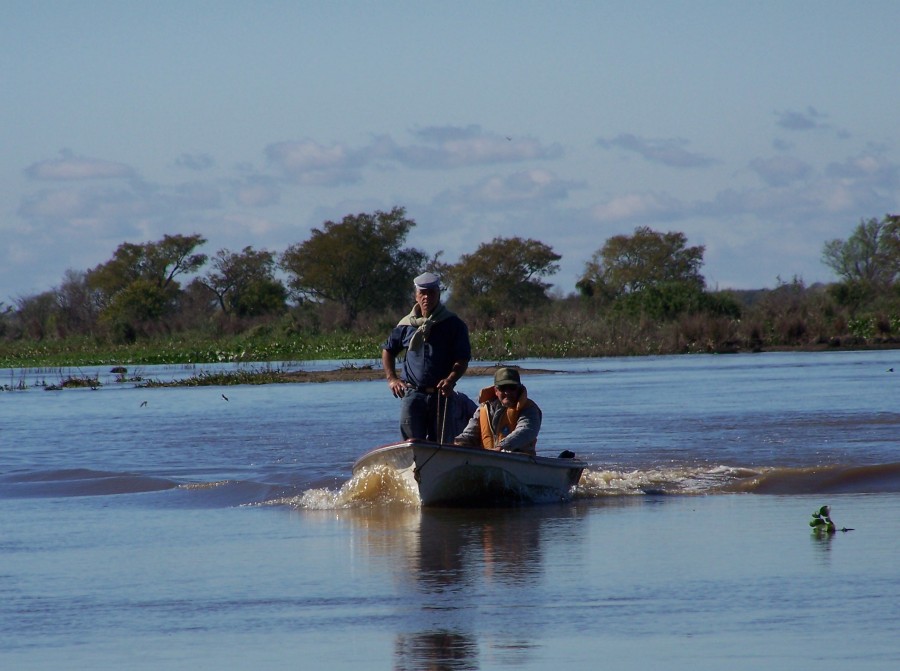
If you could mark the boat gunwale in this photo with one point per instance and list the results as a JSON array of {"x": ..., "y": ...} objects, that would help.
[{"x": 553, "y": 462}]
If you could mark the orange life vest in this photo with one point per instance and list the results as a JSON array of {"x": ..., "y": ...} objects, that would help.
[{"x": 490, "y": 438}]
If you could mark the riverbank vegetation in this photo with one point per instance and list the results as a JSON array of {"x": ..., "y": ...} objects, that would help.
[{"x": 336, "y": 295}]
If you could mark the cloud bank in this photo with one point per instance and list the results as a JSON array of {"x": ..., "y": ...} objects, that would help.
[{"x": 492, "y": 184}]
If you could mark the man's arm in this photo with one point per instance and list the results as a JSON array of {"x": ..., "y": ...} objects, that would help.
[
  {"x": 471, "y": 435},
  {"x": 458, "y": 369},
  {"x": 388, "y": 362},
  {"x": 526, "y": 432}
]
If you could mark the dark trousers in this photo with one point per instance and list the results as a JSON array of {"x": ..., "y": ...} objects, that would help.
[{"x": 423, "y": 415}]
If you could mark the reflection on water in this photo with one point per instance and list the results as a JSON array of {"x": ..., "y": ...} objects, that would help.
[
  {"x": 436, "y": 650},
  {"x": 458, "y": 552},
  {"x": 446, "y": 561}
]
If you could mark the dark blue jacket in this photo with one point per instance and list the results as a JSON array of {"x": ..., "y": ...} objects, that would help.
[{"x": 447, "y": 343}]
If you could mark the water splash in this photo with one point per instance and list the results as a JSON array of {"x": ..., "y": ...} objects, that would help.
[
  {"x": 674, "y": 480},
  {"x": 370, "y": 486}
]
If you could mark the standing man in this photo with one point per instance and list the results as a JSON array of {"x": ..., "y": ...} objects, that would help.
[
  {"x": 437, "y": 356},
  {"x": 506, "y": 419}
]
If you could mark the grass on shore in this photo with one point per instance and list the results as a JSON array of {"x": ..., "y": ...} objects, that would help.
[
  {"x": 185, "y": 350},
  {"x": 488, "y": 345},
  {"x": 567, "y": 337}
]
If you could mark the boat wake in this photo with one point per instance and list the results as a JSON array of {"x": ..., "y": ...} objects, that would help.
[
  {"x": 80, "y": 482},
  {"x": 870, "y": 479},
  {"x": 389, "y": 485},
  {"x": 884, "y": 478},
  {"x": 385, "y": 485},
  {"x": 370, "y": 486}
]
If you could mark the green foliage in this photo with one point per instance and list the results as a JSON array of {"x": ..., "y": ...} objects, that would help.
[
  {"x": 629, "y": 264},
  {"x": 192, "y": 349},
  {"x": 260, "y": 297},
  {"x": 359, "y": 263},
  {"x": 861, "y": 327},
  {"x": 852, "y": 294},
  {"x": 651, "y": 275},
  {"x": 244, "y": 284},
  {"x": 137, "y": 286},
  {"x": 158, "y": 263},
  {"x": 36, "y": 315},
  {"x": 502, "y": 277},
  {"x": 646, "y": 297},
  {"x": 870, "y": 256},
  {"x": 76, "y": 305},
  {"x": 140, "y": 302},
  {"x": 868, "y": 263},
  {"x": 667, "y": 301},
  {"x": 821, "y": 521},
  {"x": 790, "y": 315},
  {"x": 6, "y": 316}
]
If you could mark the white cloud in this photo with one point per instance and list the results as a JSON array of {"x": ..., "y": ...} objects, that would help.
[
  {"x": 257, "y": 195},
  {"x": 118, "y": 211},
  {"x": 110, "y": 205},
  {"x": 250, "y": 224},
  {"x": 805, "y": 202},
  {"x": 59, "y": 203},
  {"x": 307, "y": 162},
  {"x": 310, "y": 163},
  {"x": 638, "y": 207},
  {"x": 455, "y": 147},
  {"x": 528, "y": 188},
  {"x": 797, "y": 201},
  {"x": 870, "y": 168},
  {"x": 70, "y": 167}
]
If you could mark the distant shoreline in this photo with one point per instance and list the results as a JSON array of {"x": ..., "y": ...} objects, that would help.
[
  {"x": 267, "y": 374},
  {"x": 347, "y": 374}
]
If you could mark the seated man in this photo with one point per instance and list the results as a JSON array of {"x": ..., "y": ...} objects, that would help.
[{"x": 506, "y": 419}]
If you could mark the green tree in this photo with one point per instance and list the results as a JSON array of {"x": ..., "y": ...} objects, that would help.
[
  {"x": 137, "y": 286},
  {"x": 142, "y": 302},
  {"x": 36, "y": 315},
  {"x": 669, "y": 300},
  {"x": 244, "y": 283},
  {"x": 358, "y": 264},
  {"x": 629, "y": 264},
  {"x": 502, "y": 276},
  {"x": 870, "y": 256},
  {"x": 157, "y": 263},
  {"x": 77, "y": 304},
  {"x": 6, "y": 316}
]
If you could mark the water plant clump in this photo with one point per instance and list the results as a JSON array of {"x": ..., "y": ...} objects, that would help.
[{"x": 822, "y": 523}]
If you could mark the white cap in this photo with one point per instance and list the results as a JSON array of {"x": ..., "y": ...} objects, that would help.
[{"x": 427, "y": 281}]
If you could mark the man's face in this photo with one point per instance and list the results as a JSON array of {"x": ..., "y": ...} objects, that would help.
[
  {"x": 508, "y": 395},
  {"x": 428, "y": 300}
]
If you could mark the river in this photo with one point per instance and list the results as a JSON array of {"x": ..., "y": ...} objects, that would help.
[{"x": 220, "y": 527}]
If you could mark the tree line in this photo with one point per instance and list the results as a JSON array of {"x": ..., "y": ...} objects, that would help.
[{"x": 639, "y": 293}]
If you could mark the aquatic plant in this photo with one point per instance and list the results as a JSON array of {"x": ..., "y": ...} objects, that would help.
[
  {"x": 822, "y": 524},
  {"x": 821, "y": 521},
  {"x": 74, "y": 381}
]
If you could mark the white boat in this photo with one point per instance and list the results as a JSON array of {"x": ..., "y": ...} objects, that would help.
[{"x": 454, "y": 475}]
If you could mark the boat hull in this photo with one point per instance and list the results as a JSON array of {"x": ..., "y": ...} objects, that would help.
[{"x": 450, "y": 475}]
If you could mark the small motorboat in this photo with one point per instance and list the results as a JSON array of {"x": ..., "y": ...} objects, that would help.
[{"x": 454, "y": 475}]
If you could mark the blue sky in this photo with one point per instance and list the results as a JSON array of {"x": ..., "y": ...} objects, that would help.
[{"x": 759, "y": 130}]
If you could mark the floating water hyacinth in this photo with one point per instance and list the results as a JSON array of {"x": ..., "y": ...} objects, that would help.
[{"x": 821, "y": 522}]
